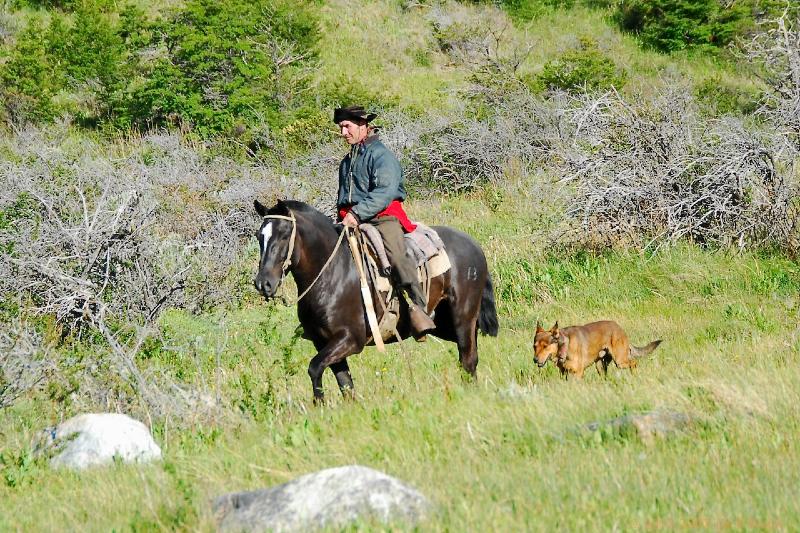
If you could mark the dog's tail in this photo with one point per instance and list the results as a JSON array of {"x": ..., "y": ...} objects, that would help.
[
  {"x": 636, "y": 351},
  {"x": 487, "y": 317}
]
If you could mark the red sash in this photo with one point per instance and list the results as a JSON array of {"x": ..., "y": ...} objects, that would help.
[{"x": 394, "y": 209}]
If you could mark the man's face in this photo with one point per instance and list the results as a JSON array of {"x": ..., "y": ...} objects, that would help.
[{"x": 353, "y": 132}]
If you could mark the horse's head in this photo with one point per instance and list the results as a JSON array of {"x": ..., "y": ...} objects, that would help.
[{"x": 276, "y": 242}]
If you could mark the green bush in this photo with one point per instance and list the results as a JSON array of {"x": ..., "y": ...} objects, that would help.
[
  {"x": 526, "y": 10},
  {"x": 669, "y": 25},
  {"x": 81, "y": 53},
  {"x": 217, "y": 69},
  {"x": 582, "y": 69},
  {"x": 28, "y": 83},
  {"x": 66, "y": 6},
  {"x": 723, "y": 98},
  {"x": 210, "y": 67}
]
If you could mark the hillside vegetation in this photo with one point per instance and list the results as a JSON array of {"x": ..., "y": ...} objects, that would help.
[{"x": 631, "y": 160}]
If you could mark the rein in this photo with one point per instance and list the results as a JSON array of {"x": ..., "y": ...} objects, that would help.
[{"x": 288, "y": 261}]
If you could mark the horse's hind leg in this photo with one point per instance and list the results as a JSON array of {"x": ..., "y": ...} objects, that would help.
[
  {"x": 467, "y": 342},
  {"x": 342, "y": 372}
]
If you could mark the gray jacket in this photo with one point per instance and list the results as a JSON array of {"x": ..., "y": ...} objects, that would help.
[{"x": 376, "y": 180}]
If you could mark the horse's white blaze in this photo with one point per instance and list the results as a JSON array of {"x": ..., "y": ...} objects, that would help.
[{"x": 266, "y": 232}]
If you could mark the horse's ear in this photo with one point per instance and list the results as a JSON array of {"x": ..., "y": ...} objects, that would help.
[
  {"x": 282, "y": 207},
  {"x": 539, "y": 328},
  {"x": 260, "y": 209}
]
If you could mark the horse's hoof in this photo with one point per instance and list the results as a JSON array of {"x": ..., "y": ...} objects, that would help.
[
  {"x": 422, "y": 338},
  {"x": 349, "y": 394}
]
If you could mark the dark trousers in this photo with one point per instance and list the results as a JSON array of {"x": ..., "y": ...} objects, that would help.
[{"x": 404, "y": 272}]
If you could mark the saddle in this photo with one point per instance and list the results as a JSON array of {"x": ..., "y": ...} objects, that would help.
[{"x": 425, "y": 246}]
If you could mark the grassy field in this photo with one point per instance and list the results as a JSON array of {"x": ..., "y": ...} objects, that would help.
[{"x": 498, "y": 453}]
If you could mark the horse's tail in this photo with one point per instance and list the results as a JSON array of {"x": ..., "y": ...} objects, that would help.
[{"x": 487, "y": 318}]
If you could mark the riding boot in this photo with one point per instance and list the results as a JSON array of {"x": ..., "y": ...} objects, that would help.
[{"x": 421, "y": 323}]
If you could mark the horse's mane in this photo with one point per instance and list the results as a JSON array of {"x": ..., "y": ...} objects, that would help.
[{"x": 317, "y": 216}]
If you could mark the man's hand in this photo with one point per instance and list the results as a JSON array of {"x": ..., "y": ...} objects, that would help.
[{"x": 350, "y": 220}]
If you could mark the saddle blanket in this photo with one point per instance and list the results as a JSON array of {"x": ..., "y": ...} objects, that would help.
[{"x": 424, "y": 245}]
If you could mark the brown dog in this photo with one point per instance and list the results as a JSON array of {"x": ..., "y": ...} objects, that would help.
[{"x": 575, "y": 348}]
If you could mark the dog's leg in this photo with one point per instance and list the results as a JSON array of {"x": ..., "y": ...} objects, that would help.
[
  {"x": 602, "y": 365},
  {"x": 605, "y": 361},
  {"x": 621, "y": 353}
]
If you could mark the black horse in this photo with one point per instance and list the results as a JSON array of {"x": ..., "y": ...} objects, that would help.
[{"x": 294, "y": 237}]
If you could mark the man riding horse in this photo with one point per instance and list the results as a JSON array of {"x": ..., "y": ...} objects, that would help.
[{"x": 371, "y": 191}]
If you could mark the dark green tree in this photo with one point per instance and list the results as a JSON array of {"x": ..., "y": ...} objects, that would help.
[
  {"x": 669, "y": 25},
  {"x": 222, "y": 64}
]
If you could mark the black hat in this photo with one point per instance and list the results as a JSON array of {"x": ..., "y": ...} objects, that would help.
[{"x": 353, "y": 112}]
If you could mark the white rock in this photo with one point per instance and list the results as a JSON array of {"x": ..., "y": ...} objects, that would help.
[
  {"x": 328, "y": 498},
  {"x": 96, "y": 439}
]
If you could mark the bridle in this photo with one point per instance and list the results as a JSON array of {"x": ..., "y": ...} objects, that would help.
[{"x": 288, "y": 261}]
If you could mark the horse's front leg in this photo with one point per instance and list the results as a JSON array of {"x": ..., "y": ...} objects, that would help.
[
  {"x": 334, "y": 352},
  {"x": 342, "y": 372}
]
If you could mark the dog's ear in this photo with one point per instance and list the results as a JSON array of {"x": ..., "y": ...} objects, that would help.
[
  {"x": 554, "y": 329},
  {"x": 539, "y": 327}
]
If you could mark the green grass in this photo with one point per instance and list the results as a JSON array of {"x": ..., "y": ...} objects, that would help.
[
  {"x": 381, "y": 52},
  {"x": 384, "y": 53},
  {"x": 497, "y": 453}
]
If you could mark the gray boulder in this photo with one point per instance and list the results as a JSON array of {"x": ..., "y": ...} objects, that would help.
[
  {"x": 647, "y": 426},
  {"x": 328, "y": 498},
  {"x": 97, "y": 439}
]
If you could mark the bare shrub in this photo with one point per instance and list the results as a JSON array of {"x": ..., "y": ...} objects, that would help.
[
  {"x": 654, "y": 169},
  {"x": 24, "y": 362},
  {"x": 104, "y": 237},
  {"x": 455, "y": 157},
  {"x": 469, "y": 35},
  {"x": 483, "y": 40},
  {"x": 81, "y": 256},
  {"x": 775, "y": 52},
  {"x": 127, "y": 229},
  {"x": 452, "y": 153},
  {"x": 92, "y": 242},
  {"x": 313, "y": 178},
  {"x": 8, "y": 24},
  {"x": 88, "y": 255}
]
